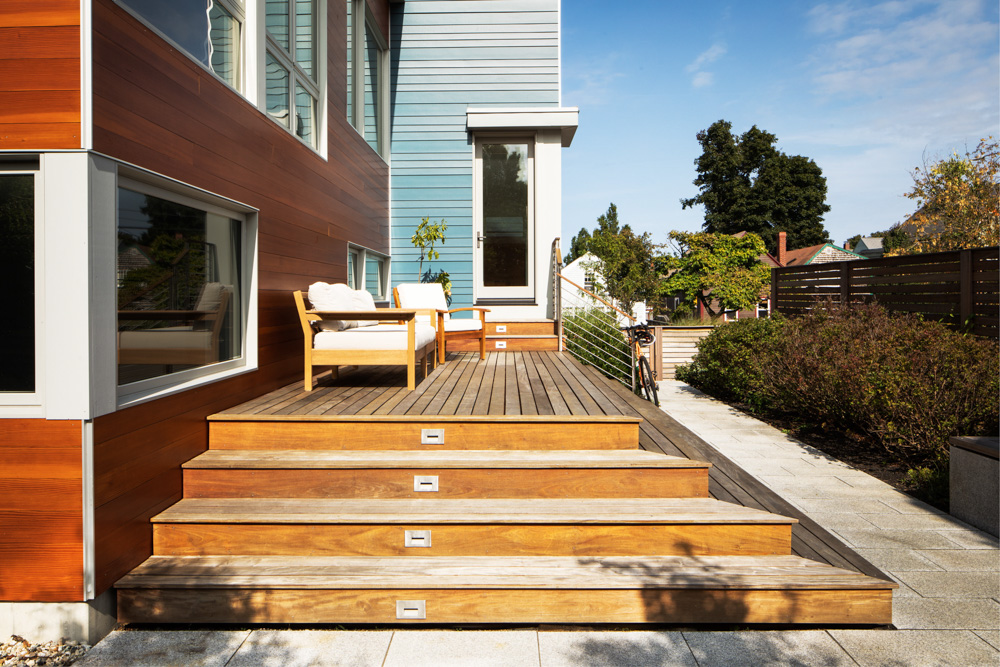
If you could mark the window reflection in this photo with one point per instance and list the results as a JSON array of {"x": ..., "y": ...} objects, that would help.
[
  {"x": 178, "y": 287},
  {"x": 17, "y": 275},
  {"x": 505, "y": 215}
]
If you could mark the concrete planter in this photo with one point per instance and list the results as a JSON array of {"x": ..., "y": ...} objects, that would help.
[{"x": 974, "y": 478}]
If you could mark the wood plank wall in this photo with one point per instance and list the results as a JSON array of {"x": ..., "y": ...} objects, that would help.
[
  {"x": 41, "y": 510},
  {"x": 39, "y": 74},
  {"x": 156, "y": 108}
]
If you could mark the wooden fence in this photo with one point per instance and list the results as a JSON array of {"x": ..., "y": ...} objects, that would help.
[{"x": 956, "y": 287}]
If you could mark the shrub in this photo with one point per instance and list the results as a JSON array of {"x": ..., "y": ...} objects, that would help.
[
  {"x": 908, "y": 382},
  {"x": 730, "y": 360},
  {"x": 592, "y": 336}
]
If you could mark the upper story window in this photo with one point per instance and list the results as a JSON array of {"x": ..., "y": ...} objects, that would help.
[
  {"x": 291, "y": 79},
  {"x": 368, "y": 270},
  {"x": 367, "y": 63},
  {"x": 210, "y": 31}
]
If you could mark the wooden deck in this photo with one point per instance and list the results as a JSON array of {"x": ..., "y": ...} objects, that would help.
[{"x": 542, "y": 383}]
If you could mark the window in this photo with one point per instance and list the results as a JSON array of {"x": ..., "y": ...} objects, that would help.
[
  {"x": 210, "y": 31},
  {"x": 367, "y": 63},
  {"x": 291, "y": 80},
  {"x": 181, "y": 301},
  {"x": 17, "y": 275},
  {"x": 368, "y": 270}
]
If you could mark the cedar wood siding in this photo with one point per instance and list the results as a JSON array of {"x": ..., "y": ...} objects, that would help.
[
  {"x": 39, "y": 74},
  {"x": 41, "y": 510},
  {"x": 158, "y": 109}
]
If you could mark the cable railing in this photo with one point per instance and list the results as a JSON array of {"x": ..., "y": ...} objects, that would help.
[{"x": 590, "y": 330}]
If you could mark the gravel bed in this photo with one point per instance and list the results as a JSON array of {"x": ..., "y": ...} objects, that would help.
[{"x": 19, "y": 652}]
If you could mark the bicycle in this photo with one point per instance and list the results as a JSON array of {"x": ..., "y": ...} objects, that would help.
[{"x": 639, "y": 336}]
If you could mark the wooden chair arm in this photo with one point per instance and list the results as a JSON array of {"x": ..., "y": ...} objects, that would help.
[
  {"x": 380, "y": 314},
  {"x": 458, "y": 310}
]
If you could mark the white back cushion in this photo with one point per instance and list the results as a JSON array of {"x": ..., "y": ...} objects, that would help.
[
  {"x": 338, "y": 296},
  {"x": 422, "y": 295}
]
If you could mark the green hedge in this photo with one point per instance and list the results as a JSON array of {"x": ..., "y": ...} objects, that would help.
[{"x": 908, "y": 383}]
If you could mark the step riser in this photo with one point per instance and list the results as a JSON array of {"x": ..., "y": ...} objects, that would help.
[
  {"x": 509, "y": 345},
  {"x": 451, "y": 483},
  {"x": 507, "y": 606},
  {"x": 521, "y": 329},
  {"x": 472, "y": 540},
  {"x": 407, "y": 435}
]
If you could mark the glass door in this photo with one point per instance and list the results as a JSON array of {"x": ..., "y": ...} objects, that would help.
[{"x": 503, "y": 237}]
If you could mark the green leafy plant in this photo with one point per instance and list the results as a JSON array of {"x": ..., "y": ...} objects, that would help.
[{"x": 426, "y": 235}]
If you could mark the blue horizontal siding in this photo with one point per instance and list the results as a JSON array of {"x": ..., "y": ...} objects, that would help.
[{"x": 450, "y": 55}]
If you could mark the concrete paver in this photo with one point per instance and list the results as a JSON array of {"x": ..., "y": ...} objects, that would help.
[
  {"x": 953, "y": 584},
  {"x": 194, "y": 648},
  {"x": 920, "y": 613},
  {"x": 614, "y": 649},
  {"x": 964, "y": 560},
  {"x": 908, "y": 648},
  {"x": 798, "y": 648},
  {"x": 305, "y": 648},
  {"x": 445, "y": 648},
  {"x": 991, "y": 637},
  {"x": 899, "y": 560}
]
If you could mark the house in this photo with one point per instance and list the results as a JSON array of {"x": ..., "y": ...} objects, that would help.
[
  {"x": 583, "y": 272},
  {"x": 869, "y": 247},
  {"x": 227, "y": 158},
  {"x": 816, "y": 254}
]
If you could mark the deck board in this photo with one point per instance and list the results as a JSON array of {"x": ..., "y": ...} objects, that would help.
[{"x": 545, "y": 383}]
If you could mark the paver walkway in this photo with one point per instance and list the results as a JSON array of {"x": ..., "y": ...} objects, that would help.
[{"x": 946, "y": 611}]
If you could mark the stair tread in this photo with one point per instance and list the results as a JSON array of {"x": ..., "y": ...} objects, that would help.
[
  {"x": 362, "y": 459},
  {"x": 506, "y": 335},
  {"x": 490, "y": 572},
  {"x": 431, "y": 419},
  {"x": 464, "y": 511}
]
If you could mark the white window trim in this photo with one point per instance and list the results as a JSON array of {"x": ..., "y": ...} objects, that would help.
[
  {"x": 244, "y": 73},
  {"x": 31, "y": 403},
  {"x": 358, "y": 51},
  {"x": 360, "y": 269},
  {"x": 158, "y": 186},
  {"x": 317, "y": 88}
]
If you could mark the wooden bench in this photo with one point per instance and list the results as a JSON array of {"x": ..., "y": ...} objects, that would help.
[{"x": 400, "y": 343}]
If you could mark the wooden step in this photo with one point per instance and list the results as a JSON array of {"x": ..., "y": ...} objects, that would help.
[
  {"x": 508, "y": 343},
  {"x": 521, "y": 328},
  {"x": 509, "y": 527},
  {"x": 389, "y": 432},
  {"x": 427, "y": 475},
  {"x": 719, "y": 589}
]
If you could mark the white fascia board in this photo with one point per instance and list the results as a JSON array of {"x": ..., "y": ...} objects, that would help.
[{"x": 564, "y": 119}]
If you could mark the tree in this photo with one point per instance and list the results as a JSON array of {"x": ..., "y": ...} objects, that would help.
[
  {"x": 746, "y": 184},
  {"x": 728, "y": 267},
  {"x": 578, "y": 246},
  {"x": 958, "y": 202},
  {"x": 426, "y": 235},
  {"x": 624, "y": 265},
  {"x": 892, "y": 239}
]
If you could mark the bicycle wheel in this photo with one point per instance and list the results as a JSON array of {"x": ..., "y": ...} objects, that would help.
[{"x": 648, "y": 385}]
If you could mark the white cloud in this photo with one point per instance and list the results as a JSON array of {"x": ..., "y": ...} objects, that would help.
[
  {"x": 701, "y": 78},
  {"x": 592, "y": 82},
  {"x": 712, "y": 54}
]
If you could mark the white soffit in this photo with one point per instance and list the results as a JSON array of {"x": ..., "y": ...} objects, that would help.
[{"x": 562, "y": 118}]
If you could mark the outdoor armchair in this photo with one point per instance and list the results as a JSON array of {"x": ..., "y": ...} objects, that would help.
[{"x": 429, "y": 302}]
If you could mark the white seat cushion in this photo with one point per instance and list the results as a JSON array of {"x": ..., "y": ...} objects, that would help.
[
  {"x": 381, "y": 337},
  {"x": 463, "y": 325},
  {"x": 414, "y": 296}
]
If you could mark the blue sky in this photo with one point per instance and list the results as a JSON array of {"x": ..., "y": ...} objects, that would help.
[{"x": 866, "y": 89}]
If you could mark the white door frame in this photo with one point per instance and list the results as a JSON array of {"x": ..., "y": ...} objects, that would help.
[{"x": 480, "y": 291}]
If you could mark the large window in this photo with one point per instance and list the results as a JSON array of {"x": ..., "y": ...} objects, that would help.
[
  {"x": 367, "y": 63},
  {"x": 292, "y": 82},
  {"x": 17, "y": 275},
  {"x": 368, "y": 270},
  {"x": 208, "y": 30},
  {"x": 180, "y": 284}
]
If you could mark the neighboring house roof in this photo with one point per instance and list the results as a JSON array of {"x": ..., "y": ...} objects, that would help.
[
  {"x": 869, "y": 246},
  {"x": 819, "y": 254},
  {"x": 766, "y": 258}
]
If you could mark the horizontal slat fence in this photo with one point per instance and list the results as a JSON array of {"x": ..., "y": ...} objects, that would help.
[{"x": 955, "y": 287}]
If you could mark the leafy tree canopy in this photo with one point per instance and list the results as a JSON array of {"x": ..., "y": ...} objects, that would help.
[
  {"x": 746, "y": 184},
  {"x": 958, "y": 201},
  {"x": 578, "y": 246},
  {"x": 727, "y": 266},
  {"x": 892, "y": 239},
  {"x": 625, "y": 264}
]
